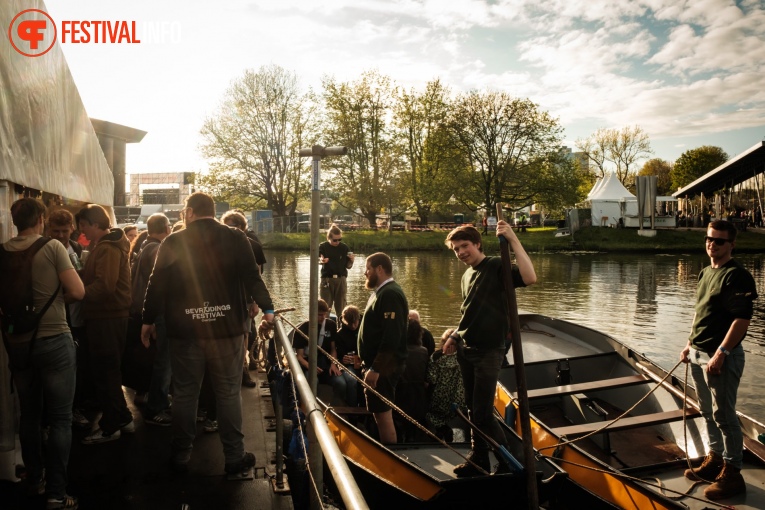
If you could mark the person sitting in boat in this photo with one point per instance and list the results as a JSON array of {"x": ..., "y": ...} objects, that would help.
[
  {"x": 326, "y": 340},
  {"x": 724, "y": 305},
  {"x": 446, "y": 390},
  {"x": 411, "y": 394},
  {"x": 479, "y": 339},
  {"x": 345, "y": 386}
]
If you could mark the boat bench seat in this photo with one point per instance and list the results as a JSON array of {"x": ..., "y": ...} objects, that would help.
[
  {"x": 628, "y": 422},
  {"x": 572, "y": 389}
]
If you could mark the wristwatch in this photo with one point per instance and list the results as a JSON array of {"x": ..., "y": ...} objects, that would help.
[{"x": 723, "y": 350}]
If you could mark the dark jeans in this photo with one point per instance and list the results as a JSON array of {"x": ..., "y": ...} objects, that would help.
[
  {"x": 222, "y": 359},
  {"x": 48, "y": 384},
  {"x": 161, "y": 373},
  {"x": 480, "y": 371},
  {"x": 106, "y": 343}
]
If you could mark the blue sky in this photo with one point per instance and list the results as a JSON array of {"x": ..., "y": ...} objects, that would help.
[{"x": 690, "y": 73}]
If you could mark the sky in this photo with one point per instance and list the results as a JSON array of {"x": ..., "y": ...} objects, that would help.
[{"x": 690, "y": 73}]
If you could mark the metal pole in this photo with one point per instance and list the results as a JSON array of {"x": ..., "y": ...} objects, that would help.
[
  {"x": 346, "y": 484},
  {"x": 314, "y": 449}
]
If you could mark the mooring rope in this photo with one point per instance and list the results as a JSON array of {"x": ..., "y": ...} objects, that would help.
[
  {"x": 385, "y": 400},
  {"x": 680, "y": 494}
]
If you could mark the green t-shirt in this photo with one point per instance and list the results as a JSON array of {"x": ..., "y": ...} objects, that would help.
[
  {"x": 484, "y": 321},
  {"x": 382, "y": 333},
  {"x": 722, "y": 295}
]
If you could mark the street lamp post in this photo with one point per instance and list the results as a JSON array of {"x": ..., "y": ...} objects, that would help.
[{"x": 317, "y": 152}]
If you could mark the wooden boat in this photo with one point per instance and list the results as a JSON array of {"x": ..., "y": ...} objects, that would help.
[
  {"x": 419, "y": 475},
  {"x": 578, "y": 380}
]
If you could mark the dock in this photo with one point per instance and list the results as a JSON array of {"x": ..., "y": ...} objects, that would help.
[{"x": 134, "y": 473}]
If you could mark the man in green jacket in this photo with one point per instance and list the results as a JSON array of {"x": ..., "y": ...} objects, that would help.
[{"x": 382, "y": 341}]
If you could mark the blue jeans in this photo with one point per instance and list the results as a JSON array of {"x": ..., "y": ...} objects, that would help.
[
  {"x": 717, "y": 398},
  {"x": 159, "y": 387},
  {"x": 48, "y": 384},
  {"x": 480, "y": 371},
  {"x": 346, "y": 387},
  {"x": 223, "y": 358}
]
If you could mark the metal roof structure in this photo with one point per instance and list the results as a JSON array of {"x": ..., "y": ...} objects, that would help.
[{"x": 734, "y": 171}]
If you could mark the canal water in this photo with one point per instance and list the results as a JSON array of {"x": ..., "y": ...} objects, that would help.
[{"x": 645, "y": 301}]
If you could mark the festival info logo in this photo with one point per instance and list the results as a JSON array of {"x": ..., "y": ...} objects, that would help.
[{"x": 33, "y": 32}]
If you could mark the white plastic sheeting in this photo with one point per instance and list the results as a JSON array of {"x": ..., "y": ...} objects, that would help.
[
  {"x": 46, "y": 143},
  {"x": 46, "y": 139}
]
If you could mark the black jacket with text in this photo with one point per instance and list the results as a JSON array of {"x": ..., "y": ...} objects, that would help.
[{"x": 202, "y": 280}]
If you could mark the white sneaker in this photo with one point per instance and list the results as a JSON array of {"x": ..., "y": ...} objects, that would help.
[
  {"x": 98, "y": 436},
  {"x": 129, "y": 428}
]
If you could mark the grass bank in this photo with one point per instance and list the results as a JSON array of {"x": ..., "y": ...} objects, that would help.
[{"x": 535, "y": 240}]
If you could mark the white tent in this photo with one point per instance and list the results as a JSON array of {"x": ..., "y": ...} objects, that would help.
[
  {"x": 595, "y": 188},
  {"x": 610, "y": 200}
]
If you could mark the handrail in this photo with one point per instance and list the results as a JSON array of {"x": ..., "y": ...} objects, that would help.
[{"x": 346, "y": 484}]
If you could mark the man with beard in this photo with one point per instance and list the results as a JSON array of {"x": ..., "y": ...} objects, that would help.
[{"x": 382, "y": 341}]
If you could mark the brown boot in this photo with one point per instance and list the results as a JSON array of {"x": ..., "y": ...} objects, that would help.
[
  {"x": 727, "y": 484},
  {"x": 708, "y": 470}
]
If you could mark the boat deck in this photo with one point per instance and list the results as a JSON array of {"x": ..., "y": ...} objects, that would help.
[{"x": 578, "y": 380}]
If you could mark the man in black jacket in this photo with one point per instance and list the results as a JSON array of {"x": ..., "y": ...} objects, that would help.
[{"x": 204, "y": 277}]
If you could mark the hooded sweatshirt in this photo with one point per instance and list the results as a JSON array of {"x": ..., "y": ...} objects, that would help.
[{"x": 106, "y": 276}]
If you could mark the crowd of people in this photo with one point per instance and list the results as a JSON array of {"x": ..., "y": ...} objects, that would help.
[
  {"x": 190, "y": 297},
  {"x": 190, "y": 293}
]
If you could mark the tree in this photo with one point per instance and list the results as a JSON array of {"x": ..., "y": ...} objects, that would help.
[
  {"x": 694, "y": 163},
  {"x": 622, "y": 147},
  {"x": 357, "y": 116},
  {"x": 253, "y": 141},
  {"x": 628, "y": 146},
  {"x": 509, "y": 150},
  {"x": 661, "y": 169},
  {"x": 421, "y": 121},
  {"x": 595, "y": 147}
]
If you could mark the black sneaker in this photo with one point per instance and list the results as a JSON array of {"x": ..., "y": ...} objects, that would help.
[
  {"x": 466, "y": 469},
  {"x": 162, "y": 419},
  {"x": 247, "y": 462}
]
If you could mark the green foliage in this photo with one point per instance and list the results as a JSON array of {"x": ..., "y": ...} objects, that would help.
[
  {"x": 508, "y": 148},
  {"x": 420, "y": 119},
  {"x": 662, "y": 170},
  {"x": 535, "y": 240},
  {"x": 357, "y": 115},
  {"x": 252, "y": 142},
  {"x": 694, "y": 163}
]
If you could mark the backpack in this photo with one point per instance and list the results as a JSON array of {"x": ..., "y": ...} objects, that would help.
[{"x": 17, "y": 310}]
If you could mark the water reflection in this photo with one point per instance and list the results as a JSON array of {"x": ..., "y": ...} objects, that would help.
[{"x": 646, "y": 301}]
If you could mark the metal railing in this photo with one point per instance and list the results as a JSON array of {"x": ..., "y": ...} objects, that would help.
[{"x": 349, "y": 490}]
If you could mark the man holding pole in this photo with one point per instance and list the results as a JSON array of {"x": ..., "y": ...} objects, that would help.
[{"x": 480, "y": 337}]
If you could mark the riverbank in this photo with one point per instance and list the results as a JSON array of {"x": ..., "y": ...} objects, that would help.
[{"x": 535, "y": 240}]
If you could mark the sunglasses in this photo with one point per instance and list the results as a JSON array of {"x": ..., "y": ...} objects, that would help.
[
  {"x": 719, "y": 241},
  {"x": 337, "y": 240}
]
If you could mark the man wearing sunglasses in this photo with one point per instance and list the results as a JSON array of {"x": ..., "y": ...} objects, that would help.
[
  {"x": 336, "y": 260},
  {"x": 724, "y": 303}
]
